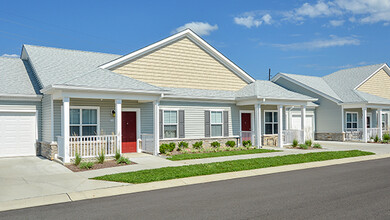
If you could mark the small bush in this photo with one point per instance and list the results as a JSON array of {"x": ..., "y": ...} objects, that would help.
[
  {"x": 117, "y": 155},
  {"x": 295, "y": 143},
  {"x": 100, "y": 158},
  {"x": 308, "y": 143},
  {"x": 77, "y": 160},
  {"x": 171, "y": 146},
  {"x": 386, "y": 137},
  {"x": 123, "y": 160},
  {"x": 317, "y": 145},
  {"x": 163, "y": 148},
  {"x": 376, "y": 139},
  {"x": 198, "y": 145},
  {"x": 303, "y": 146},
  {"x": 182, "y": 145},
  {"x": 215, "y": 144},
  {"x": 86, "y": 165},
  {"x": 247, "y": 143},
  {"x": 230, "y": 143}
]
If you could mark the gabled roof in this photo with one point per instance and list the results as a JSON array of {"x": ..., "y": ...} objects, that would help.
[
  {"x": 14, "y": 77},
  {"x": 341, "y": 85},
  {"x": 193, "y": 37},
  {"x": 270, "y": 90}
]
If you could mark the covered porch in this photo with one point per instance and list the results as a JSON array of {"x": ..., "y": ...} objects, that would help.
[
  {"x": 365, "y": 122},
  {"x": 88, "y": 124}
]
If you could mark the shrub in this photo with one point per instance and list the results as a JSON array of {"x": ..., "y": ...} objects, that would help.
[
  {"x": 86, "y": 165},
  {"x": 182, "y": 145},
  {"x": 376, "y": 139},
  {"x": 295, "y": 143},
  {"x": 198, "y": 145},
  {"x": 317, "y": 145},
  {"x": 215, "y": 144},
  {"x": 386, "y": 137},
  {"x": 303, "y": 146},
  {"x": 171, "y": 146},
  {"x": 117, "y": 155},
  {"x": 123, "y": 160},
  {"x": 100, "y": 158},
  {"x": 247, "y": 143},
  {"x": 77, "y": 160},
  {"x": 308, "y": 143},
  {"x": 164, "y": 148},
  {"x": 230, "y": 143}
]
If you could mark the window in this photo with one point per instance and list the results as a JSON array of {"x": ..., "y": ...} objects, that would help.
[
  {"x": 385, "y": 118},
  {"x": 216, "y": 123},
  {"x": 271, "y": 122},
  {"x": 83, "y": 121},
  {"x": 352, "y": 120},
  {"x": 170, "y": 124}
]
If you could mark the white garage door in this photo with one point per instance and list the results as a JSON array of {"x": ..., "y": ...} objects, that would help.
[
  {"x": 309, "y": 125},
  {"x": 17, "y": 134}
]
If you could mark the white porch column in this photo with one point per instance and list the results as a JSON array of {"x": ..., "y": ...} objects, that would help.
[
  {"x": 156, "y": 111},
  {"x": 380, "y": 123},
  {"x": 303, "y": 121},
  {"x": 364, "y": 120},
  {"x": 118, "y": 123},
  {"x": 257, "y": 125},
  {"x": 65, "y": 128},
  {"x": 280, "y": 126}
]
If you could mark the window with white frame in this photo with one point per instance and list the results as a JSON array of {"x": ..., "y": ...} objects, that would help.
[
  {"x": 83, "y": 121},
  {"x": 385, "y": 121},
  {"x": 271, "y": 122},
  {"x": 352, "y": 120},
  {"x": 216, "y": 123},
  {"x": 170, "y": 123}
]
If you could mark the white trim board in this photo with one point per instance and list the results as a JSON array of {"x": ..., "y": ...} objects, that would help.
[
  {"x": 192, "y": 36},
  {"x": 371, "y": 75}
]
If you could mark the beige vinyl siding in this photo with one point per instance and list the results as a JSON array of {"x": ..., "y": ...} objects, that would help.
[
  {"x": 46, "y": 118},
  {"x": 194, "y": 116},
  {"x": 182, "y": 64},
  {"x": 378, "y": 84}
]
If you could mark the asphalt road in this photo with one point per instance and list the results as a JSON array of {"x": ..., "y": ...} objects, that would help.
[{"x": 350, "y": 191}]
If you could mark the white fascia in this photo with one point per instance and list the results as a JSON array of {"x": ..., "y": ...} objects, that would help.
[{"x": 372, "y": 74}]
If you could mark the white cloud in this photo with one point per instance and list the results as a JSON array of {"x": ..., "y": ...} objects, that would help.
[
  {"x": 201, "y": 28},
  {"x": 333, "y": 41},
  {"x": 336, "y": 23},
  {"x": 250, "y": 21},
  {"x": 319, "y": 9},
  {"x": 10, "y": 55}
]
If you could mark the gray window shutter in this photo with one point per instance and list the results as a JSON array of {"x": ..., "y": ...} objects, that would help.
[
  {"x": 207, "y": 123},
  {"x": 181, "y": 124},
  {"x": 160, "y": 118},
  {"x": 226, "y": 123}
]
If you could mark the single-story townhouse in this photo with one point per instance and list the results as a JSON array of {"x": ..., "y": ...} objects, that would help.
[
  {"x": 59, "y": 102},
  {"x": 353, "y": 104}
]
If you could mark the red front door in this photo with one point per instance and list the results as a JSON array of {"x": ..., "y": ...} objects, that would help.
[
  {"x": 129, "y": 132},
  {"x": 246, "y": 122}
]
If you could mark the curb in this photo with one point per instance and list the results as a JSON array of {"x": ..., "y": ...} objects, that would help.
[{"x": 127, "y": 189}]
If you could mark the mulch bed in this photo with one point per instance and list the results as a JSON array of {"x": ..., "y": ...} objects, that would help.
[{"x": 96, "y": 166}]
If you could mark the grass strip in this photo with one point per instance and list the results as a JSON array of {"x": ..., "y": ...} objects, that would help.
[
  {"x": 218, "y": 154},
  {"x": 167, "y": 173}
]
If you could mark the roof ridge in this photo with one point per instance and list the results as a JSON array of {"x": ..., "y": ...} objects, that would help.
[
  {"x": 84, "y": 51},
  {"x": 357, "y": 67}
]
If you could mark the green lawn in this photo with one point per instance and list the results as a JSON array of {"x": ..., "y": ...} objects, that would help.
[
  {"x": 219, "y": 154},
  {"x": 168, "y": 173}
]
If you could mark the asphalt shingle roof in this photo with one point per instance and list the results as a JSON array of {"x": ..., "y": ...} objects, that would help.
[{"x": 14, "y": 77}]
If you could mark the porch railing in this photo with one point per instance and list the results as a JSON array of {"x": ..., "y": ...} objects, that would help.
[
  {"x": 354, "y": 134},
  {"x": 247, "y": 136},
  {"x": 373, "y": 132},
  {"x": 147, "y": 143},
  {"x": 290, "y": 135}
]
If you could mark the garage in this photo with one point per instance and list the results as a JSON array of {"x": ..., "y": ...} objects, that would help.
[
  {"x": 18, "y": 133},
  {"x": 309, "y": 125}
]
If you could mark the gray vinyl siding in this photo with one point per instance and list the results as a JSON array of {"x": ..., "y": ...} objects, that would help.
[
  {"x": 107, "y": 121},
  {"x": 328, "y": 114},
  {"x": 195, "y": 116},
  {"x": 46, "y": 118},
  {"x": 35, "y": 104}
]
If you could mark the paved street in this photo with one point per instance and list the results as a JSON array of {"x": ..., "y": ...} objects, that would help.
[{"x": 350, "y": 191}]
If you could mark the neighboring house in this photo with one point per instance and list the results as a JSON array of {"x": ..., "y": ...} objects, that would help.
[
  {"x": 56, "y": 102},
  {"x": 353, "y": 103}
]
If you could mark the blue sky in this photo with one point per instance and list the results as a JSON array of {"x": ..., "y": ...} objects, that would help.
[{"x": 302, "y": 37}]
